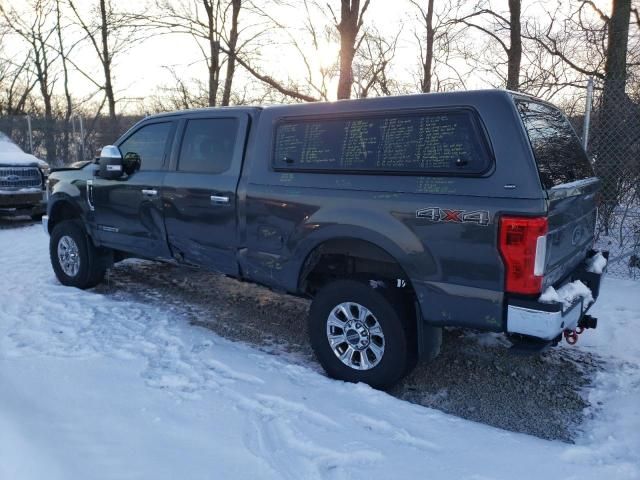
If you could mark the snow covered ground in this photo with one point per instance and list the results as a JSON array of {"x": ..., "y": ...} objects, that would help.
[{"x": 93, "y": 387}]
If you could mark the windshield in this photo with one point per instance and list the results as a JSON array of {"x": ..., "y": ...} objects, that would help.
[{"x": 556, "y": 147}]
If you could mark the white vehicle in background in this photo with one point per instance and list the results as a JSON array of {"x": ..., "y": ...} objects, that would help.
[{"x": 22, "y": 181}]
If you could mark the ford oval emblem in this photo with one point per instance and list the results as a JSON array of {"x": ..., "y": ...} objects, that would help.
[
  {"x": 577, "y": 236},
  {"x": 12, "y": 178}
]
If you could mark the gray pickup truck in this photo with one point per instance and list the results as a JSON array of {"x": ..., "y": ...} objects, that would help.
[
  {"x": 22, "y": 181},
  {"x": 397, "y": 216}
]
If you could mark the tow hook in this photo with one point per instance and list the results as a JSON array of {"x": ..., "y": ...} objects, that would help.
[
  {"x": 588, "y": 321},
  {"x": 571, "y": 336}
]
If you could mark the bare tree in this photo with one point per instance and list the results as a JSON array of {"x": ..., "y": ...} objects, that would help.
[
  {"x": 348, "y": 31},
  {"x": 497, "y": 25},
  {"x": 592, "y": 43},
  {"x": 437, "y": 36},
  {"x": 16, "y": 80},
  {"x": 214, "y": 24},
  {"x": 110, "y": 33},
  {"x": 38, "y": 34},
  {"x": 615, "y": 69},
  {"x": 426, "y": 51},
  {"x": 63, "y": 52},
  {"x": 372, "y": 65},
  {"x": 181, "y": 94},
  {"x": 349, "y": 26},
  {"x": 232, "y": 44},
  {"x": 16, "y": 85}
]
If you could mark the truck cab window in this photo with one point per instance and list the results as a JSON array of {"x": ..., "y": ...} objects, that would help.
[
  {"x": 207, "y": 145},
  {"x": 149, "y": 142}
]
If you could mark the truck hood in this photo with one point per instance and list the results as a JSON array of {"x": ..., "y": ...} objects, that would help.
[{"x": 12, "y": 155}]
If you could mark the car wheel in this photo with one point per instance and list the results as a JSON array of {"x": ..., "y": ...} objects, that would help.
[
  {"x": 75, "y": 260},
  {"x": 360, "y": 334}
]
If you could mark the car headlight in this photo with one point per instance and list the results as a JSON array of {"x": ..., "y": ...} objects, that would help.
[{"x": 44, "y": 169}]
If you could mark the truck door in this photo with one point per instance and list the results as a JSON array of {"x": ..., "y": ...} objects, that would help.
[
  {"x": 128, "y": 210},
  {"x": 199, "y": 191}
]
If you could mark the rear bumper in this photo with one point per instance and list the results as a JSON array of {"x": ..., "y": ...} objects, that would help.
[{"x": 547, "y": 321}]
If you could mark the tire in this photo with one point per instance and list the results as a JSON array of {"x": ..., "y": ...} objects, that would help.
[
  {"x": 70, "y": 236},
  {"x": 379, "y": 367}
]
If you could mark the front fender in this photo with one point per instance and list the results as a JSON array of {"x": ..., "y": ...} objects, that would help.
[{"x": 68, "y": 199}]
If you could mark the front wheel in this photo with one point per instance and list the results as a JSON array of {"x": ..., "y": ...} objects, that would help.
[
  {"x": 360, "y": 334},
  {"x": 75, "y": 260}
]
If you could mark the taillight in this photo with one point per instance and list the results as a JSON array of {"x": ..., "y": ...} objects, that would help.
[{"x": 523, "y": 246}]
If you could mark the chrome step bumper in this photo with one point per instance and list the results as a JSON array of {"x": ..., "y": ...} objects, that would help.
[{"x": 547, "y": 321}]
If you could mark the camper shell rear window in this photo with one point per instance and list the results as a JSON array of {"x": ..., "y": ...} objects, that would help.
[{"x": 556, "y": 147}]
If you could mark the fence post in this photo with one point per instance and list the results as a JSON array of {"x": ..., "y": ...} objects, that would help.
[
  {"x": 587, "y": 114},
  {"x": 30, "y": 135},
  {"x": 75, "y": 139},
  {"x": 81, "y": 137}
]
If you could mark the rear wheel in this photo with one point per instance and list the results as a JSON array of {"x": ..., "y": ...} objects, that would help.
[
  {"x": 75, "y": 260},
  {"x": 360, "y": 334}
]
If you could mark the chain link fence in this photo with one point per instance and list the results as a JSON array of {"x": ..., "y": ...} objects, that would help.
[
  {"x": 613, "y": 144},
  {"x": 609, "y": 126},
  {"x": 62, "y": 142}
]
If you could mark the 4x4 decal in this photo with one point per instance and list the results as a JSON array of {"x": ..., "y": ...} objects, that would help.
[{"x": 437, "y": 214}]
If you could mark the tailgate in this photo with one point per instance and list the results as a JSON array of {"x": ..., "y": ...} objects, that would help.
[
  {"x": 568, "y": 179},
  {"x": 572, "y": 216}
]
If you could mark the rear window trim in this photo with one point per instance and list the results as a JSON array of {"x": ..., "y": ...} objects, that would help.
[{"x": 478, "y": 128}]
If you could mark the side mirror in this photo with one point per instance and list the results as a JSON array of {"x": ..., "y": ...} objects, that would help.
[{"x": 110, "y": 163}]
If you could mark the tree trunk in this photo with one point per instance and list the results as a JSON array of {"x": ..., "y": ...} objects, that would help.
[
  {"x": 231, "y": 59},
  {"x": 611, "y": 144},
  {"x": 214, "y": 53},
  {"x": 64, "y": 154},
  {"x": 49, "y": 123},
  {"x": 348, "y": 28},
  {"x": 514, "y": 55},
  {"x": 106, "y": 63},
  {"x": 616, "y": 62},
  {"x": 427, "y": 66},
  {"x": 42, "y": 72}
]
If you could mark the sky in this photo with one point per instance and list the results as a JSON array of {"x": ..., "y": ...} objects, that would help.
[{"x": 143, "y": 70}]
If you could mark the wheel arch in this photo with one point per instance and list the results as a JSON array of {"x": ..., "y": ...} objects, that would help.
[
  {"x": 368, "y": 252},
  {"x": 377, "y": 250},
  {"x": 62, "y": 208}
]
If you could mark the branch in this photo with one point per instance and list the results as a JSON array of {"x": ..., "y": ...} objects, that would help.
[
  {"x": 488, "y": 32},
  {"x": 269, "y": 80}
]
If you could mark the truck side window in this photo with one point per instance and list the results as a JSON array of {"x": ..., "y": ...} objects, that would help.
[
  {"x": 150, "y": 143},
  {"x": 433, "y": 142},
  {"x": 207, "y": 145}
]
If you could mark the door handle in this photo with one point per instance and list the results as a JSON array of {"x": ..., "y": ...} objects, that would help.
[
  {"x": 219, "y": 199},
  {"x": 150, "y": 193}
]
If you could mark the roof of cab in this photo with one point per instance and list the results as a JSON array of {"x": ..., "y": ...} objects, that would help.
[{"x": 467, "y": 96}]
